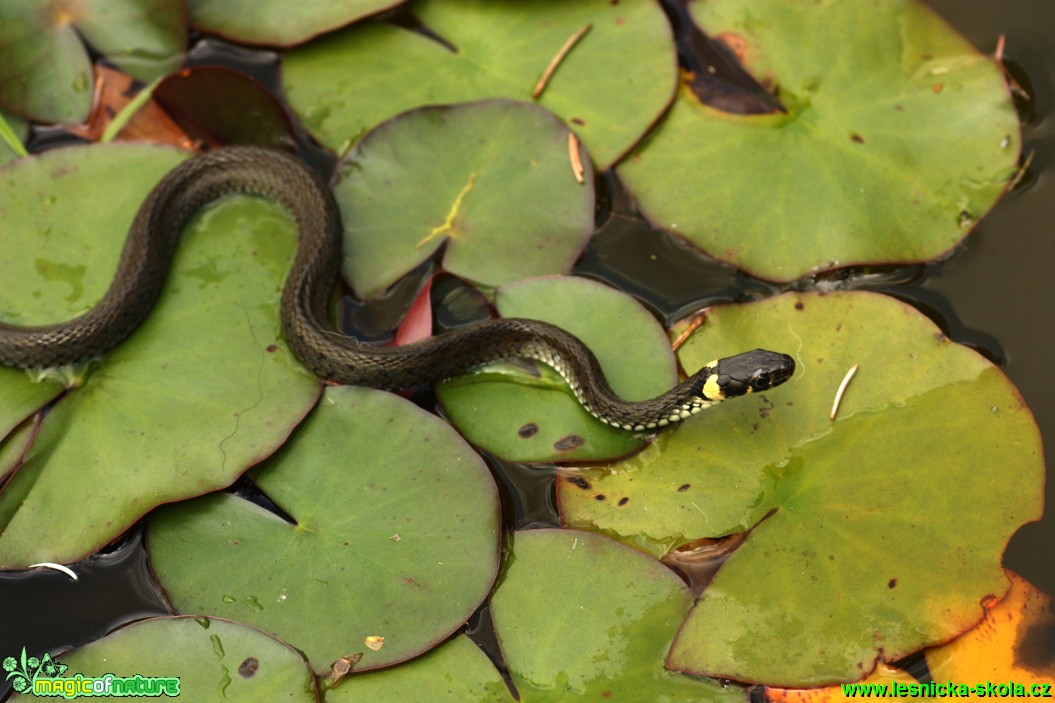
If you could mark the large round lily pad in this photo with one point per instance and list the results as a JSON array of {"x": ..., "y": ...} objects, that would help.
[
  {"x": 46, "y": 74},
  {"x": 580, "y": 616},
  {"x": 870, "y": 536},
  {"x": 395, "y": 535},
  {"x": 525, "y": 416},
  {"x": 899, "y": 136},
  {"x": 204, "y": 389},
  {"x": 610, "y": 87},
  {"x": 209, "y": 658},
  {"x": 489, "y": 181}
]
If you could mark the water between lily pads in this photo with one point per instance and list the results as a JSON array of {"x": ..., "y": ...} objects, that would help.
[{"x": 996, "y": 294}]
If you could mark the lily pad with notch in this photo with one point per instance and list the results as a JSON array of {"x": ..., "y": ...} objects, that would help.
[
  {"x": 898, "y": 137},
  {"x": 490, "y": 182},
  {"x": 905, "y": 502},
  {"x": 610, "y": 87},
  {"x": 394, "y": 536},
  {"x": 202, "y": 390}
]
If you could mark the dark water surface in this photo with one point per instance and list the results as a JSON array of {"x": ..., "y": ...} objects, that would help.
[{"x": 996, "y": 294}]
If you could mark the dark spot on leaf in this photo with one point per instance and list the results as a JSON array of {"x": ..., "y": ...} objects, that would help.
[
  {"x": 857, "y": 138},
  {"x": 800, "y": 306},
  {"x": 599, "y": 496},
  {"x": 572, "y": 441},
  {"x": 528, "y": 430},
  {"x": 272, "y": 348},
  {"x": 580, "y": 482},
  {"x": 683, "y": 487},
  {"x": 623, "y": 501},
  {"x": 247, "y": 669},
  {"x": 940, "y": 338},
  {"x": 891, "y": 583},
  {"x": 1036, "y": 648},
  {"x": 578, "y": 121}
]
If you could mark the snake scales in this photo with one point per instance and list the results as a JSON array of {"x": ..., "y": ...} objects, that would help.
[{"x": 274, "y": 174}]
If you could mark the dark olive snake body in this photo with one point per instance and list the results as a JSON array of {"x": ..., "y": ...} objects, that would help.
[{"x": 274, "y": 174}]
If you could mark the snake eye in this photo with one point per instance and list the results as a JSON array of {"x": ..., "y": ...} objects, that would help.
[{"x": 759, "y": 380}]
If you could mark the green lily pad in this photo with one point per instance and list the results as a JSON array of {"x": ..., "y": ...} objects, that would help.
[
  {"x": 21, "y": 399},
  {"x": 580, "y": 616},
  {"x": 528, "y": 417},
  {"x": 14, "y": 446},
  {"x": 395, "y": 535},
  {"x": 212, "y": 659},
  {"x": 870, "y": 536},
  {"x": 452, "y": 176},
  {"x": 277, "y": 22},
  {"x": 47, "y": 75},
  {"x": 13, "y": 132},
  {"x": 455, "y": 672},
  {"x": 205, "y": 387},
  {"x": 611, "y": 86},
  {"x": 888, "y": 154}
]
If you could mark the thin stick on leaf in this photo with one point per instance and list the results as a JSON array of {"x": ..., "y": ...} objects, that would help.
[
  {"x": 842, "y": 389},
  {"x": 548, "y": 73}
]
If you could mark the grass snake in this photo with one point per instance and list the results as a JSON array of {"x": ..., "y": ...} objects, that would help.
[{"x": 271, "y": 173}]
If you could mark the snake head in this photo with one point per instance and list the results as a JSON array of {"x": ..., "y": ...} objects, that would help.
[{"x": 750, "y": 372}]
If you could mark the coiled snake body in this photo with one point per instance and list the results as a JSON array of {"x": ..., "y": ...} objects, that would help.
[{"x": 274, "y": 174}]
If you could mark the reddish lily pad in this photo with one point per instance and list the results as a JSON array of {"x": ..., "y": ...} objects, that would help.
[
  {"x": 889, "y": 154},
  {"x": 218, "y": 105}
]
